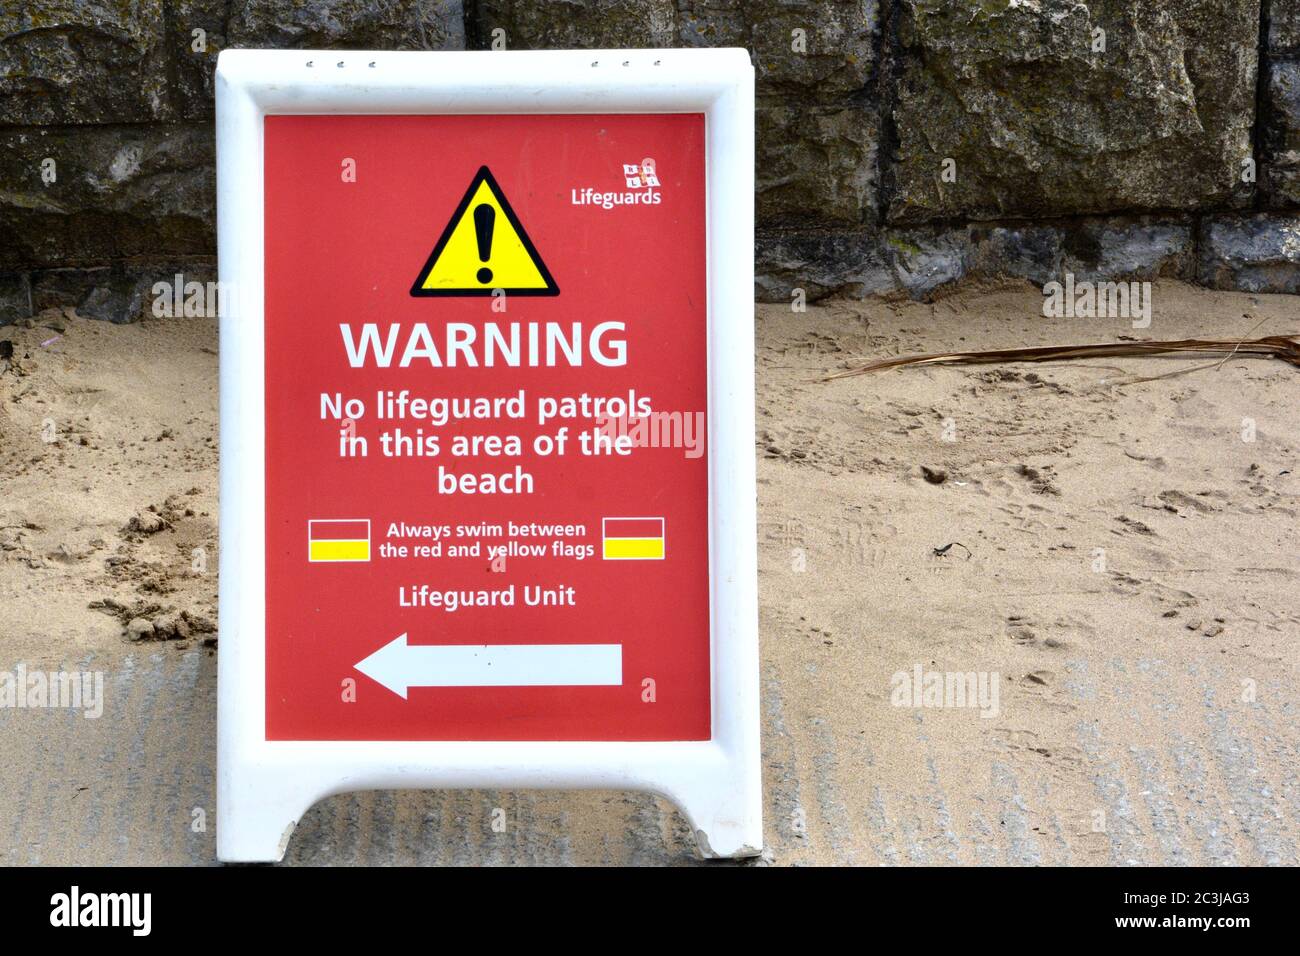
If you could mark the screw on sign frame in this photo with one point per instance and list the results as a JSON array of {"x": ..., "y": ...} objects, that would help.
[{"x": 266, "y": 784}]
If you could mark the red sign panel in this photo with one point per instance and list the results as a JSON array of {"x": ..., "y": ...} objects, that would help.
[{"x": 486, "y": 458}]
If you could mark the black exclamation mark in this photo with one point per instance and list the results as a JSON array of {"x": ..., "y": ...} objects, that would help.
[{"x": 485, "y": 218}]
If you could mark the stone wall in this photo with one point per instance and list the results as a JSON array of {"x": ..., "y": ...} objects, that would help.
[{"x": 903, "y": 145}]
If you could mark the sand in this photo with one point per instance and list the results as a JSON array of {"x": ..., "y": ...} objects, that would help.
[
  {"x": 1115, "y": 557},
  {"x": 108, "y": 450}
]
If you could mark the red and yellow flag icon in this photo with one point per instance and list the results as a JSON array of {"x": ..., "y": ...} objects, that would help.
[
  {"x": 633, "y": 539},
  {"x": 330, "y": 540}
]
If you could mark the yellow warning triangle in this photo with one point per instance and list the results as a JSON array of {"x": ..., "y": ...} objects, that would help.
[{"x": 484, "y": 248}]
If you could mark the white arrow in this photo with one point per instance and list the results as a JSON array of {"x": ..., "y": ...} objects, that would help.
[{"x": 400, "y": 666}]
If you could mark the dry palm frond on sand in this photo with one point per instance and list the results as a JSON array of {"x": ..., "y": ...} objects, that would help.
[{"x": 1284, "y": 347}]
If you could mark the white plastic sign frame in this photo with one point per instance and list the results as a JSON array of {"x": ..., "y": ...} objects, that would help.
[{"x": 264, "y": 787}]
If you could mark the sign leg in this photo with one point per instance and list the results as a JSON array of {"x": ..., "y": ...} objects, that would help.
[
  {"x": 726, "y": 817},
  {"x": 257, "y": 814}
]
